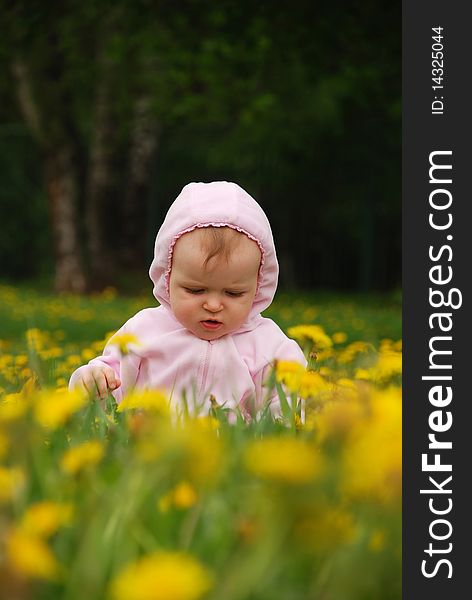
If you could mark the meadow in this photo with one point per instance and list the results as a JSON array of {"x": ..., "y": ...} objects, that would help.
[{"x": 129, "y": 502}]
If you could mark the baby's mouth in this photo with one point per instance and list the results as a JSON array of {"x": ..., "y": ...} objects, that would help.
[{"x": 211, "y": 323}]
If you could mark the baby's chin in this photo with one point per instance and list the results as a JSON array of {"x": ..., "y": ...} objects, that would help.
[{"x": 210, "y": 335}]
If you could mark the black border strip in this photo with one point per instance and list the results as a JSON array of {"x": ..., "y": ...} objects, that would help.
[{"x": 426, "y": 131}]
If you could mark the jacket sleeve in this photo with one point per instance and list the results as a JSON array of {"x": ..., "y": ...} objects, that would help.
[
  {"x": 125, "y": 366},
  {"x": 288, "y": 350}
]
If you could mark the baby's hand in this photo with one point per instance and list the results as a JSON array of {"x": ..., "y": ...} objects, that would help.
[{"x": 98, "y": 381}]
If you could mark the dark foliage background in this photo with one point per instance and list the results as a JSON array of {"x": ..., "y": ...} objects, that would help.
[{"x": 108, "y": 109}]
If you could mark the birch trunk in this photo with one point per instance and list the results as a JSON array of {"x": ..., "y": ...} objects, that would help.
[
  {"x": 61, "y": 185},
  {"x": 143, "y": 145}
]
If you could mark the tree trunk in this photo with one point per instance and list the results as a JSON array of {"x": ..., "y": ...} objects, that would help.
[
  {"x": 100, "y": 181},
  {"x": 144, "y": 140},
  {"x": 61, "y": 184}
]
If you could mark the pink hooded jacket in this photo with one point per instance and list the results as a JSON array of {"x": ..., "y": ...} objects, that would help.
[{"x": 232, "y": 368}]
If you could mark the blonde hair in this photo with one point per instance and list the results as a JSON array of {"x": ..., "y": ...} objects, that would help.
[{"x": 219, "y": 242}]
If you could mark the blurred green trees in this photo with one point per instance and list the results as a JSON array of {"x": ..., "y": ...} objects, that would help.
[{"x": 108, "y": 109}]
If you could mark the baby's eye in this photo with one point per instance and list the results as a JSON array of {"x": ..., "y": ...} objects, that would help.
[
  {"x": 193, "y": 291},
  {"x": 235, "y": 294}
]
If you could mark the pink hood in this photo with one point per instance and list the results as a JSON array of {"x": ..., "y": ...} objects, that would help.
[{"x": 216, "y": 204}]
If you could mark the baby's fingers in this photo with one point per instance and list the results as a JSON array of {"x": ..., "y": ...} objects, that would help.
[
  {"x": 113, "y": 381},
  {"x": 88, "y": 384},
  {"x": 100, "y": 382}
]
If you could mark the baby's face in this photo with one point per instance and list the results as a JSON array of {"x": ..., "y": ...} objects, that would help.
[{"x": 216, "y": 300}]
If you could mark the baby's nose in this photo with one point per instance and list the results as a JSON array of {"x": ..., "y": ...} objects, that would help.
[{"x": 213, "y": 304}]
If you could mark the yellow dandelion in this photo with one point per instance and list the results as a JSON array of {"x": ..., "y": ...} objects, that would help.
[
  {"x": 21, "y": 360},
  {"x": 182, "y": 496},
  {"x": 389, "y": 364},
  {"x": 54, "y": 352},
  {"x": 30, "y": 556},
  {"x": 208, "y": 422},
  {"x": 348, "y": 354},
  {"x": 81, "y": 457},
  {"x": 87, "y": 354},
  {"x": 12, "y": 481},
  {"x": 339, "y": 337},
  {"x": 289, "y": 373},
  {"x": 377, "y": 541},
  {"x": 162, "y": 576},
  {"x": 12, "y": 407},
  {"x": 196, "y": 452},
  {"x": 372, "y": 456},
  {"x": 363, "y": 374},
  {"x": 73, "y": 359},
  {"x": 346, "y": 389},
  {"x": 52, "y": 408},
  {"x": 30, "y": 386},
  {"x": 151, "y": 400},
  {"x": 338, "y": 418},
  {"x": 123, "y": 341},
  {"x": 36, "y": 339},
  {"x": 26, "y": 373},
  {"x": 312, "y": 384},
  {"x": 44, "y": 518},
  {"x": 312, "y": 333},
  {"x": 286, "y": 460},
  {"x": 200, "y": 449},
  {"x": 309, "y": 313},
  {"x": 4, "y": 444}
]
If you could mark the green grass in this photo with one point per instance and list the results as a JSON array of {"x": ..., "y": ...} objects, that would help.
[
  {"x": 274, "y": 509},
  {"x": 85, "y": 318}
]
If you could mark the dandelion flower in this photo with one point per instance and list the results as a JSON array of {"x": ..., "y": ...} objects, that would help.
[
  {"x": 182, "y": 496},
  {"x": 377, "y": 541},
  {"x": 35, "y": 339},
  {"x": 348, "y": 354},
  {"x": 389, "y": 364},
  {"x": 12, "y": 480},
  {"x": 44, "y": 518},
  {"x": 373, "y": 452},
  {"x": 363, "y": 374},
  {"x": 81, "y": 457},
  {"x": 123, "y": 340},
  {"x": 313, "y": 333},
  {"x": 52, "y": 408},
  {"x": 312, "y": 384},
  {"x": 30, "y": 556},
  {"x": 162, "y": 576},
  {"x": 288, "y": 460},
  {"x": 152, "y": 400},
  {"x": 4, "y": 444},
  {"x": 289, "y": 373},
  {"x": 12, "y": 407},
  {"x": 339, "y": 337}
]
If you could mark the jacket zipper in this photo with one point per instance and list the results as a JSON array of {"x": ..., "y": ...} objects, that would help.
[{"x": 205, "y": 367}]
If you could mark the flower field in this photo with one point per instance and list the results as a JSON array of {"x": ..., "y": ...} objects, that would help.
[{"x": 128, "y": 502}]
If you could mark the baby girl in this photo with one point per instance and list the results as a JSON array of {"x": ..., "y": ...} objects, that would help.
[{"x": 214, "y": 271}]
